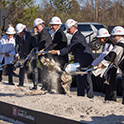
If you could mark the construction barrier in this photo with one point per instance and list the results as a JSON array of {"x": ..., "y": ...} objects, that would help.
[{"x": 31, "y": 116}]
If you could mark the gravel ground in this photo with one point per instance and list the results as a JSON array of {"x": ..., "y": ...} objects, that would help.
[{"x": 83, "y": 109}]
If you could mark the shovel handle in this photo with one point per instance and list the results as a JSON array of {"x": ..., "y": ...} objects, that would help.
[
  {"x": 90, "y": 69},
  {"x": 41, "y": 50},
  {"x": 51, "y": 51}
]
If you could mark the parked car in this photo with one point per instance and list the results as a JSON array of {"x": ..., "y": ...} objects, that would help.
[{"x": 89, "y": 30}]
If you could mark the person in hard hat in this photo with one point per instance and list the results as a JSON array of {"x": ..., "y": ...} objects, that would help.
[
  {"x": 7, "y": 52},
  {"x": 82, "y": 54},
  {"x": 59, "y": 41},
  {"x": 111, "y": 78},
  {"x": 116, "y": 55},
  {"x": 24, "y": 44},
  {"x": 44, "y": 37}
]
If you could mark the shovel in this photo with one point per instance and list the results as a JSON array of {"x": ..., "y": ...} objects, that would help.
[
  {"x": 19, "y": 62},
  {"x": 30, "y": 55},
  {"x": 74, "y": 69},
  {"x": 6, "y": 64}
]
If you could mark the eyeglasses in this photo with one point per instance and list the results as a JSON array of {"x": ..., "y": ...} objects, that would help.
[{"x": 69, "y": 28}]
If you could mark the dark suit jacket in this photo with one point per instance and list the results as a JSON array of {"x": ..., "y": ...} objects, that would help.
[
  {"x": 59, "y": 42},
  {"x": 44, "y": 39},
  {"x": 80, "y": 49},
  {"x": 24, "y": 49}
]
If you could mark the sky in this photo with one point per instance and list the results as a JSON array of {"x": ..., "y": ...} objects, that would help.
[{"x": 38, "y": 2}]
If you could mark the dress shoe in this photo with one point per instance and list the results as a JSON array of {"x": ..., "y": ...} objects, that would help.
[
  {"x": 34, "y": 88},
  {"x": 19, "y": 85},
  {"x": 11, "y": 83}
]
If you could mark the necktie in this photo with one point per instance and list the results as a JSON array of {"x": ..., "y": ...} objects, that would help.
[{"x": 23, "y": 41}]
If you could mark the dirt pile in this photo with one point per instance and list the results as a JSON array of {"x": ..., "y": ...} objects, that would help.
[{"x": 82, "y": 109}]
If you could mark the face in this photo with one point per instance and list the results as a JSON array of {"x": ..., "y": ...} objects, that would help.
[
  {"x": 102, "y": 40},
  {"x": 115, "y": 38},
  {"x": 9, "y": 35},
  {"x": 54, "y": 27},
  {"x": 21, "y": 34},
  {"x": 39, "y": 27},
  {"x": 35, "y": 30},
  {"x": 71, "y": 30}
]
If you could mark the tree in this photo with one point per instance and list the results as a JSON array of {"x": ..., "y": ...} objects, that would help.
[
  {"x": 21, "y": 11},
  {"x": 3, "y": 4},
  {"x": 108, "y": 12},
  {"x": 61, "y": 5}
]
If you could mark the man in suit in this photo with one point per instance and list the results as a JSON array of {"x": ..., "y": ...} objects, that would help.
[
  {"x": 59, "y": 41},
  {"x": 43, "y": 39},
  {"x": 24, "y": 44},
  {"x": 82, "y": 54}
]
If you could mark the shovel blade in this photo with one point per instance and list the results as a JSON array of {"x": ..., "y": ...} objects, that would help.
[{"x": 74, "y": 69}]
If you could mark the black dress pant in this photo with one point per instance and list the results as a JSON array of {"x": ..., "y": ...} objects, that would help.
[
  {"x": 10, "y": 73},
  {"x": 1, "y": 75},
  {"x": 111, "y": 90},
  {"x": 35, "y": 71},
  {"x": 82, "y": 82},
  {"x": 122, "y": 89},
  {"x": 22, "y": 74}
]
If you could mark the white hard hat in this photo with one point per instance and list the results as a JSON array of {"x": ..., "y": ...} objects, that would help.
[
  {"x": 55, "y": 20},
  {"x": 20, "y": 27},
  {"x": 10, "y": 30},
  {"x": 69, "y": 23},
  {"x": 38, "y": 21},
  {"x": 118, "y": 30},
  {"x": 102, "y": 32}
]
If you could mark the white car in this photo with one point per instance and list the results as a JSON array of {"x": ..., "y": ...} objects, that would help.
[{"x": 89, "y": 30}]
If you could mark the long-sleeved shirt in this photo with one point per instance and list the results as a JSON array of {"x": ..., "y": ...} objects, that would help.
[
  {"x": 7, "y": 46},
  {"x": 106, "y": 49}
]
